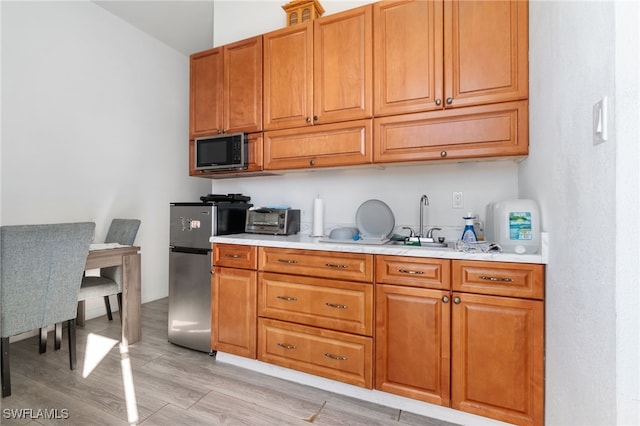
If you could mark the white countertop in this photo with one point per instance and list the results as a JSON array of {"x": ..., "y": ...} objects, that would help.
[{"x": 306, "y": 242}]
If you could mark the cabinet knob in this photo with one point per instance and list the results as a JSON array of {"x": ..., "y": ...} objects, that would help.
[
  {"x": 315, "y": 118},
  {"x": 445, "y": 299},
  {"x": 449, "y": 101},
  {"x": 443, "y": 154},
  {"x": 312, "y": 162},
  {"x": 438, "y": 102},
  {"x": 308, "y": 120},
  {"x": 456, "y": 300}
]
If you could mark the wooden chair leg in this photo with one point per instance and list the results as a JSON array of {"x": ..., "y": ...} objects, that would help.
[
  {"x": 119, "y": 297},
  {"x": 107, "y": 305},
  {"x": 71, "y": 328},
  {"x": 58, "y": 340},
  {"x": 43, "y": 340},
  {"x": 6, "y": 376}
]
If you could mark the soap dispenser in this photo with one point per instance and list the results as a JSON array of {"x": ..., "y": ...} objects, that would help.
[{"x": 469, "y": 233}]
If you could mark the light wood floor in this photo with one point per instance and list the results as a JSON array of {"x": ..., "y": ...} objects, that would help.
[{"x": 170, "y": 386}]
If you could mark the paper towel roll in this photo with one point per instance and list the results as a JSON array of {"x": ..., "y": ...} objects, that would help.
[{"x": 318, "y": 218}]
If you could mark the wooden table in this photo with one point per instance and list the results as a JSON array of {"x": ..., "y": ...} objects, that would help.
[{"x": 129, "y": 258}]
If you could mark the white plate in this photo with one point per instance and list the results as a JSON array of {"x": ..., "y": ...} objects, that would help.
[{"x": 375, "y": 219}]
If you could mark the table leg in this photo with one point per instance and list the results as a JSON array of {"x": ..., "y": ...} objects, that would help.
[{"x": 131, "y": 299}]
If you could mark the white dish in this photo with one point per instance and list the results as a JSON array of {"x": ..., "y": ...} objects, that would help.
[{"x": 375, "y": 219}]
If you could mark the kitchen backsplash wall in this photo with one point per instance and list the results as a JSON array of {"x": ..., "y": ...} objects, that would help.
[{"x": 399, "y": 186}]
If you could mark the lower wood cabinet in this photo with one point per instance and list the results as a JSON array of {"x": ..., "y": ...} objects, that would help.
[
  {"x": 497, "y": 362},
  {"x": 497, "y": 340},
  {"x": 412, "y": 342},
  {"x": 331, "y": 354},
  {"x": 234, "y": 300},
  {"x": 458, "y": 333}
]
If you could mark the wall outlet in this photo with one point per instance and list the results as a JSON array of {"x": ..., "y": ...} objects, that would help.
[{"x": 458, "y": 200}]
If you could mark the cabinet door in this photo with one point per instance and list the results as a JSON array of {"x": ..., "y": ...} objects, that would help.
[
  {"x": 408, "y": 62},
  {"x": 243, "y": 86},
  {"x": 327, "y": 145},
  {"x": 412, "y": 342},
  {"x": 343, "y": 66},
  {"x": 288, "y": 77},
  {"x": 497, "y": 357},
  {"x": 234, "y": 313},
  {"x": 486, "y": 51},
  {"x": 497, "y": 130},
  {"x": 206, "y": 80}
]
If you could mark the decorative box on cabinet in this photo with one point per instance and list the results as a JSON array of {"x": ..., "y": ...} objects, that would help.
[
  {"x": 319, "y": 72},
  {"x": 226, "y": 89},
  {"x": 497, "y": 340},
  {"x": 413, "y": 327},
  {"x": 327, "y": 145},
  {"x": 234, "y": 299},
  {"x": 316, "y": 312},
  {"x": 484, "y": 59}
]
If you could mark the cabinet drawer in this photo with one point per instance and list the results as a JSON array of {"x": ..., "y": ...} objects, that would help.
[
  {"x": 338, "y": 305},
  {"x": 414, "y": 271},
  {"x": 235, "y": 256},
  {"x": 497, "y": 278},
  {"x": 323, "y": 264},
  {"x": 331, "y": 354}
]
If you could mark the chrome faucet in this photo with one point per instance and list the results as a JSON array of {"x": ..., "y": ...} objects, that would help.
[{"x": 424, "y": 201}]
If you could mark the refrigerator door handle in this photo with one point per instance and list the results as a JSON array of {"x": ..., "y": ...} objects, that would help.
[{"x": 190, "y": 250}]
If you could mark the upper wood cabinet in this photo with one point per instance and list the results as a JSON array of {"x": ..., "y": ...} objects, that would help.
[
  {"x": 431, "y": 55},
  {"x": 226, "y": 89},
  {"x": 486, "y": 52},
  {"x": 319, "y": 72},
  {"x": 495, "y": 130},
  {"x": 329, "y": 145},
  {"x": 408, "y": 58}
]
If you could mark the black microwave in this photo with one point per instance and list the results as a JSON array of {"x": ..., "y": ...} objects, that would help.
[{"x": 221, "y": 152}]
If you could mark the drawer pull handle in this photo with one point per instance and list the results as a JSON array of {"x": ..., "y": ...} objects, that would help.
[
  {"x": 336, "y": 265},
  {"x": 287, "y": 298},
  {"x": 286, "y": 346},
  {"x": 233, "y": 256},
  {"x": 287, "y": 261},
  {"x": 335, "y": 305},
  {"x": 336, "y": 357},
  {"x": 495, "y": 279},
  {"x": 407, "y": 271}
]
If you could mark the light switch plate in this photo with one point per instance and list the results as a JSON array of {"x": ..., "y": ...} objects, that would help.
[{"x": 600, "y": 133}]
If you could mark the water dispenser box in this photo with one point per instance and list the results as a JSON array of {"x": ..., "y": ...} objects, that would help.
[{"x": 514, "y": 225}]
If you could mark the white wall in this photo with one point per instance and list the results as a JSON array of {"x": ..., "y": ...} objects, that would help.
[
  {"x": 579, "y": 52},
  {"x": 94, "y": 126}
]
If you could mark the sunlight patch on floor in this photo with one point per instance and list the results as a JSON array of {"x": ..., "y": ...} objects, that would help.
[{"x": 96, "y": 349}]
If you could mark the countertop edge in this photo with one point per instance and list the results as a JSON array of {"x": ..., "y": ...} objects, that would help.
[{"x": 306, "y": 242}]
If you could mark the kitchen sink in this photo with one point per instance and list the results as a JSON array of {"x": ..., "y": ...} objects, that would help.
[{"x": 432, "y": 245}]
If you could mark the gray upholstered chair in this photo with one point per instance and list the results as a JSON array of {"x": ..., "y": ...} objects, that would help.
[
  {"x": 121, "y": 231},
  {"x": 41, "y": 270}
]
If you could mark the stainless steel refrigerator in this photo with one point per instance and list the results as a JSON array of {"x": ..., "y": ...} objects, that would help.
[{"x": 191, "y": 226}]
